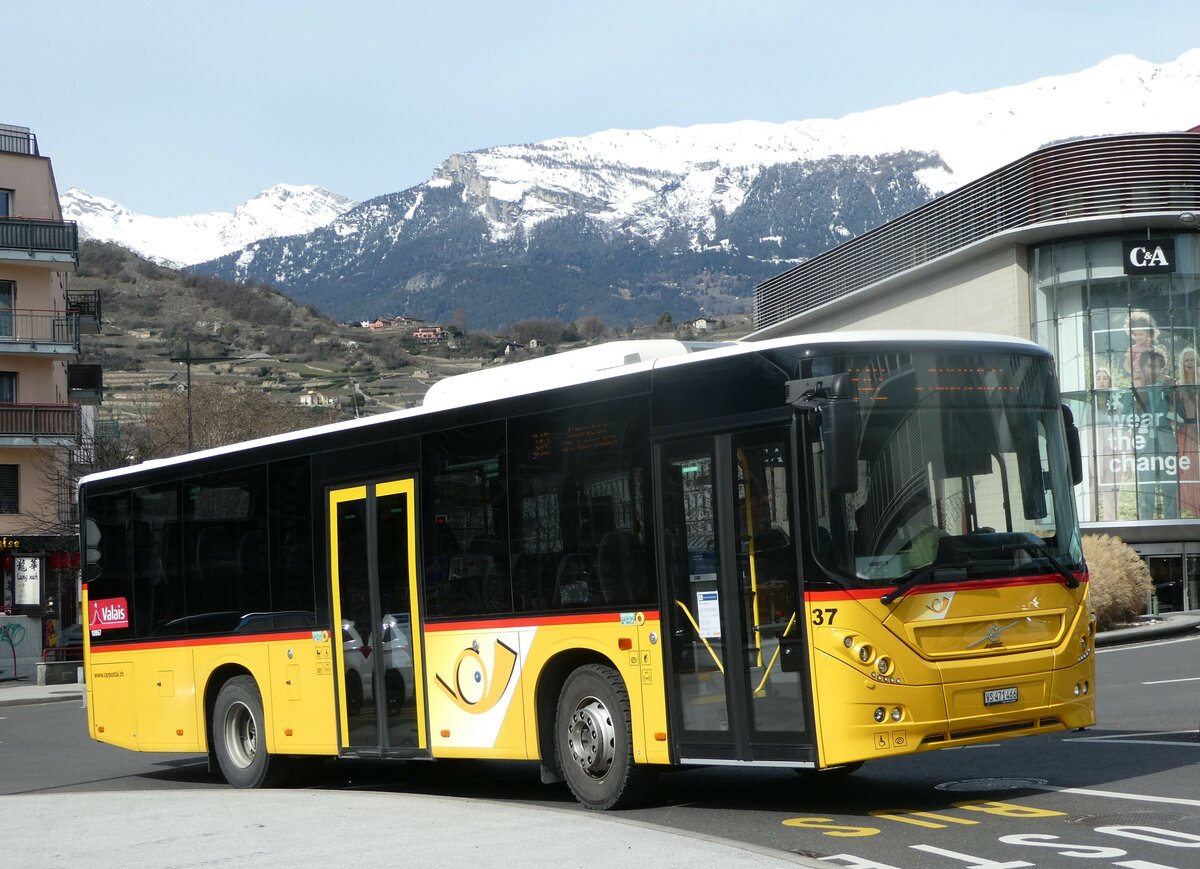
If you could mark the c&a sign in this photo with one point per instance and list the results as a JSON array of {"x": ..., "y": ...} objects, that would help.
[{"x": 1151, "y": 256}]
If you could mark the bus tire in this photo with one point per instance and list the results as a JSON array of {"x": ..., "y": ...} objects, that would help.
[
  {"x": 239, "y": 737},
  {"x": 592, "y": 740}
]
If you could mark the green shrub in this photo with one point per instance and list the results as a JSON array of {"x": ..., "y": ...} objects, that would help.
[{"x": 1120, "y": 580}]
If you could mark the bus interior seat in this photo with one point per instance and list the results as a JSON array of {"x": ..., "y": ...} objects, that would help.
[
  {"x": 621, "y": 567},
  {"x": 252, "y": 552},
  {"x": 573, "y": 583},
  {"x": 214, "y": 553}
]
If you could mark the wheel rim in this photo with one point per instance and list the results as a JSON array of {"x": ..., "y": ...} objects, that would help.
[
  {"x": 592, "y": 737},
  {"x": 241, "y": 735}
]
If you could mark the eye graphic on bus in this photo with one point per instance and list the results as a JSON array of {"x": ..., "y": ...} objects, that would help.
[{"x": 473, "y": 691}]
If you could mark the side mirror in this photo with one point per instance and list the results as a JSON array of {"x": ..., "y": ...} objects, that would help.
[
  {"x": 834, "y": 399},
  {"x": 1074, "y": 451},
  {"x": 839, "y": 444}
]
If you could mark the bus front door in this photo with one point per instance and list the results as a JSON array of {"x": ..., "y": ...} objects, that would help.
[
  {"x": 732, "y": 600},
  {"x": 372, "y": 545}
]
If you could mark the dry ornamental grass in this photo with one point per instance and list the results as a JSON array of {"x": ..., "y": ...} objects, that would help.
[{"x": 1120, "y": 580}]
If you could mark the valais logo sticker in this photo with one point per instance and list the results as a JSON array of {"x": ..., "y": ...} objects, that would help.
[{"x": 111, "y": 612}]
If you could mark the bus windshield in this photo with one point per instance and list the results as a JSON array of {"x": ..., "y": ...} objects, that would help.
[{"x": 963, "y": 472}]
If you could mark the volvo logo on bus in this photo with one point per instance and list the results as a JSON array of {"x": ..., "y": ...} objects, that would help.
[{"x": 1151, "y": 256}]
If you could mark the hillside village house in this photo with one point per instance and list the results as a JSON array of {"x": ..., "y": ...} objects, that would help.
[
  {"x": 47, "y": 399},
  {"x": 429, "y": 333},
  {"x": 1091, "y": 248},
  {"x": 314, "y": 398}
]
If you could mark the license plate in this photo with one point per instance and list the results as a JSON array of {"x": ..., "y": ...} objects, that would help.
[{"x": 999, "y": 695}]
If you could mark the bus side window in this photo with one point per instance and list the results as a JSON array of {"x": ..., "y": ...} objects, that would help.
[{"x": 466, "y": 522}]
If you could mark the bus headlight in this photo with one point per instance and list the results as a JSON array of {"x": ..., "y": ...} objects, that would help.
[
  {"x": 865, "y": 653},
  {"x": 884, "y": 666},
  {"x": 880, "y": 714},
  {"x": 897, "y": 714}
]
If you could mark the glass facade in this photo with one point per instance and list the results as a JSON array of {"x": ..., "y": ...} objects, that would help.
[{"x": 1126, "y": 346}]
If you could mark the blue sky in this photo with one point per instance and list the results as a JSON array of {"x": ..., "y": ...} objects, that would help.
[{"x": 173, "y": 108}]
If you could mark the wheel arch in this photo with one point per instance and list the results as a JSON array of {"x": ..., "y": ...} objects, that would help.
[
  {"x": 216, "y": 681},
  {"x": 550, "y": 683}
]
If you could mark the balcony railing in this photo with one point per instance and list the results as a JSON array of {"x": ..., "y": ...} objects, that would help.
[
  {"x": 24, "y": 330},
  {"x": 86, "y": 303},
  {"x": 39, "y": 424},
  {"x": 18, "y": 140},
  {"x": 39, "y": 241},
  {"x": 85, "y": 383}
]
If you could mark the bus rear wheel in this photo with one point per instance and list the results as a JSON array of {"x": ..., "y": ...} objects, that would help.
[
  {"x": 239, "y": 737},
  {"x": 593, "y": 743}
]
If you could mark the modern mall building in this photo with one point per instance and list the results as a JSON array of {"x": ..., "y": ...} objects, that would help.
[{"x": 1091, "y": 248}]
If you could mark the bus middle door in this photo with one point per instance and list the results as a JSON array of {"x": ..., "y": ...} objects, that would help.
[{"x": 732, "y": 604}]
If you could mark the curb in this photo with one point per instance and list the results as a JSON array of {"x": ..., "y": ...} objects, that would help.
[
  {"x": 33, "y": 701},
  {"x": 1153, "y": 628}
]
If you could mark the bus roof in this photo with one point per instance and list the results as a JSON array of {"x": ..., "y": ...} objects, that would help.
[{"x": 585, "y": 365}]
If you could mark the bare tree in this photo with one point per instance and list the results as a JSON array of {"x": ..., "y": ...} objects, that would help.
[
  {"x": 220, "y": 415},
  {"x": 543, "y": 331},
  {"x": 592, "y": 327}
]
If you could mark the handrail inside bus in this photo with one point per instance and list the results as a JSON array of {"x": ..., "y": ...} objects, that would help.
[
  {"x": 703, "y": 639},
  {"x": 759, "y": 691}
]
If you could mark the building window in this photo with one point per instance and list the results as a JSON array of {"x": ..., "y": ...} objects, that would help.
[
  {"x": 6, "y": 197},
  {"x": 9, "y": 500},
  {"x": 8, "y": 387},
  {"x": 8, "y": 298},
  {"x": 1127, "y": 347}
]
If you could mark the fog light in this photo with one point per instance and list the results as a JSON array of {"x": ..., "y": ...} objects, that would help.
[
  {"x": 1085, "y": 687},
  {"x": 1078, "y": 690},
  {"x": 1083, "y": 644},
  {"x": 848, "y": 642},
  {"x": 880, "y": 714},
  {"x": 884, "y": 665},
  {"x": 865, "y": 653},
  {"x": 897, "y": 714}
]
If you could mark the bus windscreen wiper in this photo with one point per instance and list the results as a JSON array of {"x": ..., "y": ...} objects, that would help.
[
  {"x": 1040, "y": 549},
  {"x": 925, "y": 575}
]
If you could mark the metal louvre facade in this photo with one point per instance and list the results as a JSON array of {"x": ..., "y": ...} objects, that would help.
[{"x": 1108, "y": 177}]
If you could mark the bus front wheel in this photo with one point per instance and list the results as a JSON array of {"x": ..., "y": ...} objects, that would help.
[
  {"x": 239, "y": 737},
  {"x": 592, "y": 740}
]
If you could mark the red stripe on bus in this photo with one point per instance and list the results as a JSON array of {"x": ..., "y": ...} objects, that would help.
[
  {"x": 185, "y": 642},
  {"x": 966, "y": 585},
  {"x": 535, "y": 621}
]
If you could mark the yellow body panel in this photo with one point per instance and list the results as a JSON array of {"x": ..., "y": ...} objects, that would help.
[
  {"x": 943, "y": 650},
  {"x": 484, "y": 681},
  {"x": 151, "y": 697}
]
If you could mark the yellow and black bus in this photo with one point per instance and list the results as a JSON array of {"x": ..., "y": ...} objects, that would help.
[{"x": 806, "y": 552}]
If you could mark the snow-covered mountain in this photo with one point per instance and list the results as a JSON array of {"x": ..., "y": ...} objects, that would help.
[
  {"x": 285, "y": 209},
  {"x": 629, "y": 223},
  {"x": 650, "y": 179}
]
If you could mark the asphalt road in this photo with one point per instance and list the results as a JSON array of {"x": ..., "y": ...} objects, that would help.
[{"x": 1124, "y": 794}]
